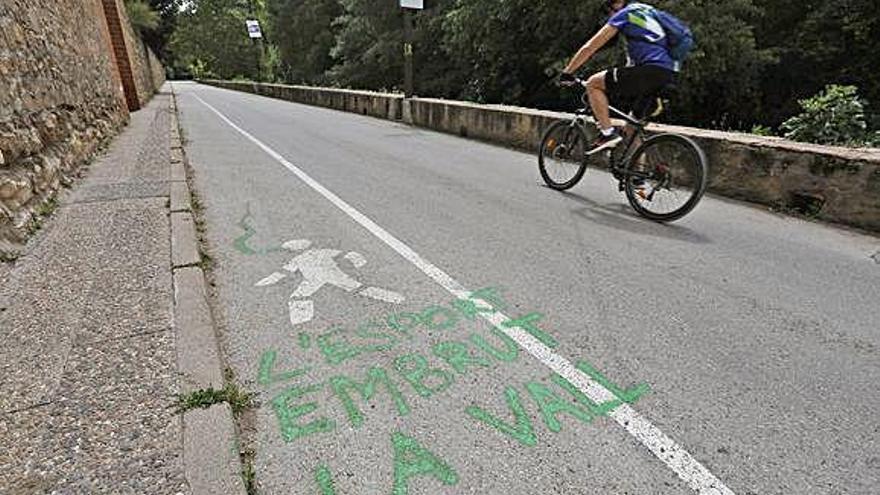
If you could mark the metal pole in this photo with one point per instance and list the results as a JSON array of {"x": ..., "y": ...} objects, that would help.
[{"x": 407, "y": 53}]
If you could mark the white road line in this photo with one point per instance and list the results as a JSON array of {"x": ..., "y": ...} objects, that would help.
[
  {"x": 271, "y": 279},
  {"x": 664, "y": 448},
  {"x": 383, "y": 295}
]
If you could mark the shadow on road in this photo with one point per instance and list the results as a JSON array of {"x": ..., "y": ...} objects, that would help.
[{"x": 620, "y": 216}]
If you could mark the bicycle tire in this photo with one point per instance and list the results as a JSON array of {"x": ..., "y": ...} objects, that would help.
[
  {"x": 700, "y": 177},
  {"x": 544, "y": 148}
]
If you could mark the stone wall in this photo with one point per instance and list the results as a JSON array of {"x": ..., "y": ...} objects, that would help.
[
  {"x": 836, "y": 184},
  {"x": 382, "y": 105},
  {"x": 61, "y": 95},
  {"x": 157, "y": 70}
]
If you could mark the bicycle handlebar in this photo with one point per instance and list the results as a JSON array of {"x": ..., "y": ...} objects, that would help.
[{"x": 576, "y": 82}]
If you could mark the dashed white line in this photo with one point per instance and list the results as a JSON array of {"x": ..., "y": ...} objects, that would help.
[{"x": 664, "y": 448}]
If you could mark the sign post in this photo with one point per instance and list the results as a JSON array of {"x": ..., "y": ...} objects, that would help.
[
  {"x": 256, "y": 35},
  {"x": 253, "y": 28},
  {"x": 408, "y": 7}
]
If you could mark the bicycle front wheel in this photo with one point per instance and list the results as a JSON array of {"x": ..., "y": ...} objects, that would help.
[
  {"x": 562, "y": 157},
  {"x": 667, "y": 177}
]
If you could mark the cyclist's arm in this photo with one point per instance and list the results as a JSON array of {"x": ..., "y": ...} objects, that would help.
[{"x": 591, "y": 47}]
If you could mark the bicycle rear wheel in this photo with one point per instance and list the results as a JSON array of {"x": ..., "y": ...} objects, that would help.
[
  {"x": 668, "y": 176},
  {"x": 562, "y": 157}
]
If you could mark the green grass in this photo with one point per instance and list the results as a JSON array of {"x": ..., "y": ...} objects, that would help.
[
  {"x": 206, "y": 262},
  {"x": 44, "y": 210},
  {"x": 8, "y": 257},
  {"x": 248, "y": 473},
  {"x": 238, "y": 399}
]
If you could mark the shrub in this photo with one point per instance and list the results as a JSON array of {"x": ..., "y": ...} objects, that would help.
[
  {"x": 761, "y": 130},
  {"x": 141, "y": 15},
  {"x": 835, "y": 116}
]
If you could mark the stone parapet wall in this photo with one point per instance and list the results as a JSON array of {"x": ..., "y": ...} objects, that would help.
[
  {"x": 835, "y": 184},
  {"x": 382, "y": 105},
  {"x": 61, "y": 96}
]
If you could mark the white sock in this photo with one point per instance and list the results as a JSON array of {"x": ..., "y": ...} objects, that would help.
[{"x": 607, "y": 132}]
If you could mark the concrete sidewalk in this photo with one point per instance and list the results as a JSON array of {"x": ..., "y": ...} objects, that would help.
[{"x": 90, "y": 364}]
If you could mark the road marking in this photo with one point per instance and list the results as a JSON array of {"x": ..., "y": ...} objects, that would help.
[
  {"x": 319, "y": 269},
  {"x": 383, "y": 295},
  {"x": 664, "y": 448},
  {"x": 271, "y": 279}
]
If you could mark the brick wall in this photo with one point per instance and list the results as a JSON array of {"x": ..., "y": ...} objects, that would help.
[
  {"x": 113, "y": 11},
  {"x": 145, "y": 75}
]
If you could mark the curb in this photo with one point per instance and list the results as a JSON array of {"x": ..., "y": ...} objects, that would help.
[{"x": 210, "y": 444}]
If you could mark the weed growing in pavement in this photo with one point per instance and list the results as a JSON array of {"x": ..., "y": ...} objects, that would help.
[
  {"x": 45, "y": 209},
  {"x": 48, "y": 207},
  {"x": 8, "y": 257},
  {"x": 202, "y": 398},
  {"x": 238, "y": 399},
  {"x": 206, "y": 262},
  {"x": 248, "y": 473},
  {"x": 198, "y": 210},
  {"x": 197, "y": 203}
]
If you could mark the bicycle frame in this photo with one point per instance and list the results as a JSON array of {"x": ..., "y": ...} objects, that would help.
[
  {"x": 637, "y": 162},
  {"x": 618, "y": 162}
]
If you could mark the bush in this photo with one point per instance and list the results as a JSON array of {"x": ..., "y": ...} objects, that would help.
[
  {"x": 836, "y": 116},
  {"x": 141, "y": 15},
  {"x": 761, "y": 130}
]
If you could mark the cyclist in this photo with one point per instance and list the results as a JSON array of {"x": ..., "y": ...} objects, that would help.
[{"x": 650, "y": 67}]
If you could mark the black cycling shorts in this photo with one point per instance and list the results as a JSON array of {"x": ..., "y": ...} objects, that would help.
[
  {"x": 634, "y": 82},
  {"x": 634, "y": 89}
]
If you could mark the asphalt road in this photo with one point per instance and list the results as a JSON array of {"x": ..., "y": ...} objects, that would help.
[{"x": 745, "y": 343}]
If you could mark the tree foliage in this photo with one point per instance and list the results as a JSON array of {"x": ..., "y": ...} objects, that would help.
[
  {"x": 142, "y": 15},
  {"x": 211, "y": 39},
  {"x": 305, "y": 34},
  {"x": 834, "y": 116},
  {"x": 159, "y": 29}
]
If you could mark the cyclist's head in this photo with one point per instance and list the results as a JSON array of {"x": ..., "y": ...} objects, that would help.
[{"x": 612, "y": 6}]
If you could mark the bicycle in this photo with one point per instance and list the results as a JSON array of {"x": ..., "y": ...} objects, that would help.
[{"x": 652, "y": 171}]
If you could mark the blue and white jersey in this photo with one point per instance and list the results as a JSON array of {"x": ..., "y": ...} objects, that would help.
[{"x": 646, "y": 42}]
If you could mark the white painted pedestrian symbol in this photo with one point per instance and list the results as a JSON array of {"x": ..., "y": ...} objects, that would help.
[{"x": 318, "y": 268}]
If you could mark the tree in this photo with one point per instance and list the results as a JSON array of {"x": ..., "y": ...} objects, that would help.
[
  {"x": 369, "y": 43},
  {"x": 159, "y": 33},
  {"x": 511, "y": 51},
  {"x": 817, "y": 43},
  {"x": 719, "y": 86},
  {"x": 141, "y": 15},
  {"x": 211, "y": 40},
  {"x": 305, "y": 33}
]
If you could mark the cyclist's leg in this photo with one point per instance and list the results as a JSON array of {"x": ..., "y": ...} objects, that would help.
[{"x": 597, "y": 92}]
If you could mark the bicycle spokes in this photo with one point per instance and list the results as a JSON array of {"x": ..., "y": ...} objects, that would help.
[
  {"x": 561, "y": 157},
  {"x": 667, "y": 178}
]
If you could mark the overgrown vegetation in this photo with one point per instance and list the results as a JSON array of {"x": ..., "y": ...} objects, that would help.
[
  {"x": 834, "y": 116},
  {"x": 755, "y": 59},
  {"x": 248, "y": 472},
  {"x": 237, "y": 399},
  {"x": 8, "y": 257},
  {"x": 142, "y": 15},
  {"x": 43, "y": 211}
]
